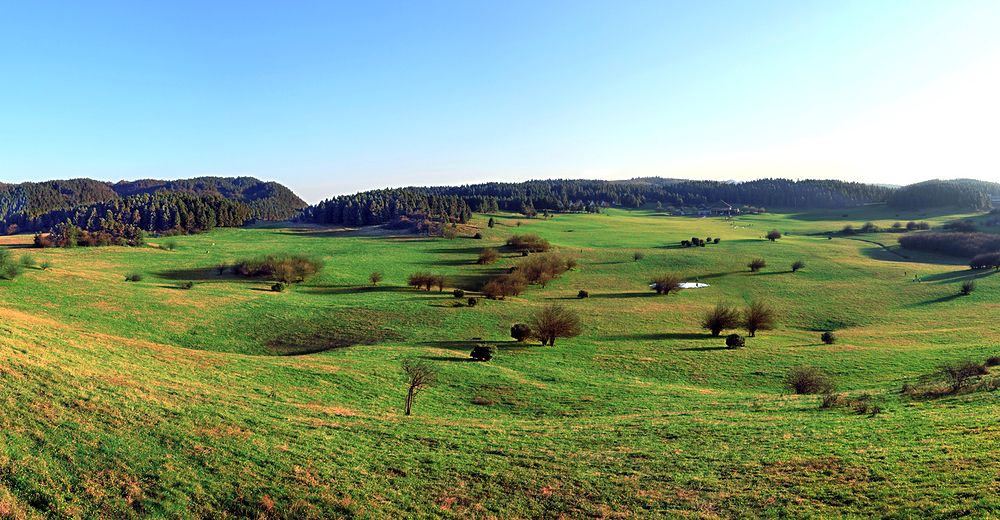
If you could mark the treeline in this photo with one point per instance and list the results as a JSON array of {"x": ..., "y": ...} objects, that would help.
[
  {"x": 123, "y": 221},
  {"x": 390, "y": 205},
  {"x": 456, "y": 203},
  {"x": 966, "y": 245},
  {"x": 960, "y": 193},
  {"x": 24, "y": 206}
]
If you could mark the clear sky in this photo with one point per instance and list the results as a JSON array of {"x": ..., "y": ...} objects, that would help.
[{"x": 332, "y": 97}]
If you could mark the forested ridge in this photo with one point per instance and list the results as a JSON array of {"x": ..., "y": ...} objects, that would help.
[
  {"x": 968, "y": 194},
  {"x": 37, "y": 206},
  {"x": 381, "y": 206}
]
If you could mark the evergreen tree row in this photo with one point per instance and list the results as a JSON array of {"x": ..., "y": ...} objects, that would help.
[
  {"x": 964, "y": 194},
  {"x": 156, "y": 213},
  {"x": 383, "y": 206}
]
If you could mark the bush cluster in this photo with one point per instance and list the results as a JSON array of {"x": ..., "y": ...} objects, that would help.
[
  {"x": 426, "y": 281},
  {"x": 283, "y": 268},
  {"x": 809, "y": 380},
  {"x": 504, "y": 285},
  {"x": 528, "y": 244}
]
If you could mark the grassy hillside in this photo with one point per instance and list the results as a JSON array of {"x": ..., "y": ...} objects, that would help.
[{"x": 143, "y": 399}]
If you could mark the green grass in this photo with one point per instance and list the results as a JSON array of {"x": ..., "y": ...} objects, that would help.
[{"x": 142, "y": 399}]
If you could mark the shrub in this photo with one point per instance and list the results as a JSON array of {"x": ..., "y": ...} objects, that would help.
[
  {"x": 520, "y": 332},
  {"x": 528, "y": 244},
  {"x": 542, "y": 269},
  {"x": 992, "y": 361},
  {"x": 187, "y": 285},
  {"x": 758, "y": 316},
  {"x": 721, "y": 318},
  {"x": 638, "y": 255},
  {"x": 555, "y": 321},
  {"x": 491, "y": 222},
  {"x": 828, "y": 337},
  {"x": 283, "y": 268},
  {"x": 169, "y": 245},
  {"x": 735, "y": 341},
  {"x": 967, "y": 287},
  {"x": 375, "y": 278},
  {"x": 832, "y": 400},
  {"x": 757, "y": 264},
  {"x": 45, "y": 265},
  {"x": 426, "y": 281},
  {"x": 133, "y": 277},
  {"x": 809, "y": 380},
  {"x": 583, "y": 294},
  {"x": 473, "y": 302},
  {"x": 482, "y": 352},
  {"x": 773, "y": 235},
  {"x": 27, "y": 261},
  {"x": 488, "y": 256},
  {"x": 8, "y": 269},
  {"x": 458, "y": 293},
  {"x": 958, "y": 374},
  {"x": 716, "y": 240},
  {"x": 797, "y": 265},
  {"x": 279, "y": 287},
  {"x": 504, "y": 285},
  {"x": 665, "y": 284}
]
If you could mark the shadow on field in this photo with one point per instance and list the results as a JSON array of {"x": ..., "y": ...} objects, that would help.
[
  {"x": 658, "y": 337},
  {"x": 350, "y": 289},
  {"x": 705, "y": 349},
  {"x": 634, "y": 294},
  {"x": 451, "y": 359},
  {"x": 719, "y": 274},
  {"x": 942, "y": 299},
  {"x": 772, "y": 273},
  {"x": 917, "y": 257},
  {"x": 466, "y": 345},
  {"x": 460, "y": 250},
  {"x": 959, "y": 276},
  {"x": 202, "y": 273},
  {"x": 453, "y": 263}
]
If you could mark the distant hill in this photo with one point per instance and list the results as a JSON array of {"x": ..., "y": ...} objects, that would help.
[
  {"x": 966, "y": 194},
  {"x": 24, "y": 205}
]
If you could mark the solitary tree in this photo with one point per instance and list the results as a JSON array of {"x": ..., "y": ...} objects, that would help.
[
  {"x": 491, "y": 223},
  {"x": 375, "y": 278},
  {"x": 666, "y": 284},
  {"x": 828, "y": 337},
  {"x": 967, "y": 287},
  {"x": 555, "y": 321},
  {"x": 757, "y": 264},
  {"x": 773, "y": 235},
  {"x": 420, "y": 375},
  {"x": 796, "y": 265},
  {"x": 758, "y": 316},
  {"x": 488, "y": 256},
  {"x": 722, "y": 317},
  {"x": 638, "y": 255}
]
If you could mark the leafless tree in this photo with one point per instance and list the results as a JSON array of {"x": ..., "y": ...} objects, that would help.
[
  {"x": 420, "y": 375},
  {"x": 555, "y": 321}
]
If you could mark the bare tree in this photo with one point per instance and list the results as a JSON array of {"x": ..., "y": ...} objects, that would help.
[
  {"x": 420, "y": 375},
  {"x": 666, "y": 284},
  {"x": 721, "y": 318},
  {"x": 758, "y": 316},
  {"x": 555, "y": 321},
  {"x": 797, "y": 265},
  {"x": 757, "y": 264},
  {"x": 488, "y": 256},
  {"x": 375, "y": 278}
]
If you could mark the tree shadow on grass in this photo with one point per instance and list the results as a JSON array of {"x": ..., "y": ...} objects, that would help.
[
  {"x": 658, "y": 336},
  {"x": 705, "y": 349},
  {"x": 772, "y": 273},
  {"x": 959, "y": 276},
  {"x": 453, "y": 263},
  {"x": 450, "y": 359},
  {"x": 634, "y": 294},
  {"x": 350, "y": 289},
  {"x": 942, "y": 299},
  {"x": 719, "y": 274},
  {"x": 466, "y": 345},
  {"x": 202, "y": 274}
]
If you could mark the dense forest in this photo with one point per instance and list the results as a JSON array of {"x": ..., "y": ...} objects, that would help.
[
  {"x": 121, "y": 221},
  {"x": 31, "y": 206},
  {"x": 965, "y": 245},
  {"x": 529, "y": 198},
  {"x": 393, "y": 205},
  {"x": 967, "y": 194}
]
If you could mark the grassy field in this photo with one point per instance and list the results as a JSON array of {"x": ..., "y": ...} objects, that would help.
[{"x": 143, "y": 399}]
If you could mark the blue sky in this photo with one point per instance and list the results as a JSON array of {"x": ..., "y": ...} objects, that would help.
[{"x": 332, "y": 97}]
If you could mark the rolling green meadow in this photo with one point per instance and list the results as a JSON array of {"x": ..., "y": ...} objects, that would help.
[{"x": 138, "y": 399}]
